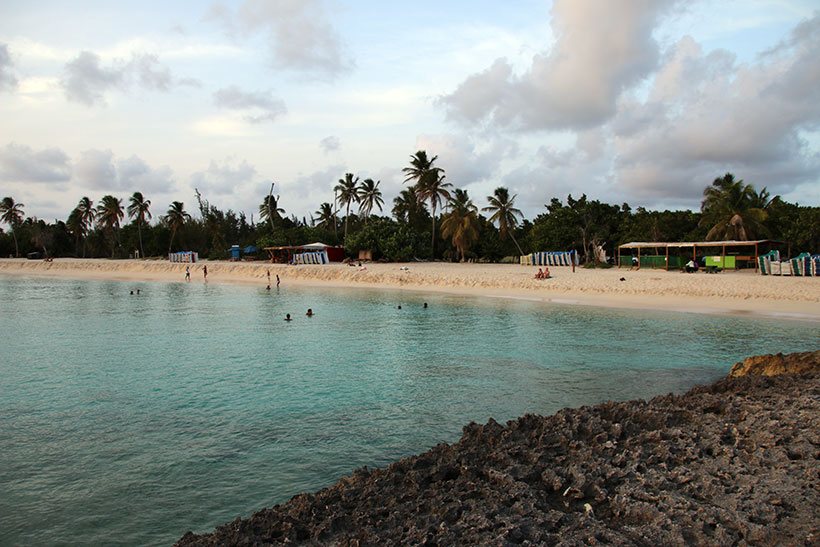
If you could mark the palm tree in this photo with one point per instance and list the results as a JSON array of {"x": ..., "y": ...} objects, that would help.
[
  {"x": 433, "y": 189},
  {"x": 12, "y": 214},
  {"x": 461, "y": 222},
  {"x": 325, "y": 216},
  {"x": 369, "y": 195},
  {"x": 409, "y": 208},
  {"x": 109, "y": 215},
  {"x": 76, "y": 227},
  {"x": 269, "y": 210},
  {"x": 733, "y": 210},
  {"x": 138, "y": 210},
  {"x": 347, "y": 190},
  {"x": 430, "y": 184},
  {"x": 87, "y": 215},
  {"x": 175, "y": 218},
  {"x": 504, "y": 213}
]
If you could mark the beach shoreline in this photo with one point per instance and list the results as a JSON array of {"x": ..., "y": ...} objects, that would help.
[{"x": 728, "y": 293}]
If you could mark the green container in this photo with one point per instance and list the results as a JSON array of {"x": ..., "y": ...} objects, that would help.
[{"x": 724, "y": 262}]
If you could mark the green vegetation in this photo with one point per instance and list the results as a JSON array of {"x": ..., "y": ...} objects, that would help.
[{"x": 731, "y": 209}]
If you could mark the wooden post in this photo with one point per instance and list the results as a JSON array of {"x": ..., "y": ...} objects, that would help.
[
  {"x": 619, "y": 257},
  {"x": 756, "y": 257},
  {"x": 639, "y": 258},
  {"x": 667, "y": 258},
  {"x": 723, "y": 256}
]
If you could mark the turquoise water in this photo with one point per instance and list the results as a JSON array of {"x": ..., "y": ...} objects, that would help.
[{"x": 132, "y": 419}]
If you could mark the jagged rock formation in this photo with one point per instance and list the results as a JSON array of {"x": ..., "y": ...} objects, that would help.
[
  {"x": 734, "y": 462},
  {"x": 774, "y": 365}
]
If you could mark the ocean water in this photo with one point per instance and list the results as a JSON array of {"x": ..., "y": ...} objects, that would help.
[{"x": 131, "y": 419}]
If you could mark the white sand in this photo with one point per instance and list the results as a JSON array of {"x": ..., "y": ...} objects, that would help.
[{"x": 742, "y": 292}]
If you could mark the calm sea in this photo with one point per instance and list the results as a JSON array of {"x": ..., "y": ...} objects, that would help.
[{"x": 130, "y": 419}]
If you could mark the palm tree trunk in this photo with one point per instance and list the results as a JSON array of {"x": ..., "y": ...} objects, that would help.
[
  {"x": 516, "y": 243},
  {"x": 16, "y": 249},
  {"x": 347, "y": 217},
  {"x": 171, "y": 243},
  {"x": 433, "y": 242},
  {"x": 139, "y": 232}
]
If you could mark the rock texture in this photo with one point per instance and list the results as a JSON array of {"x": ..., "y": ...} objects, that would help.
[
  {"x": 731, "y": 463},
  {"x": 775, "y": 365}
]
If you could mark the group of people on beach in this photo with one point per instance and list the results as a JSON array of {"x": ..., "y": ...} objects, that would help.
[
  {"x": 188, "y": 273},
  {"x": 543, "y": 273}
]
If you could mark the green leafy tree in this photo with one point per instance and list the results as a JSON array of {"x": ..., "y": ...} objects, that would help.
[
  {"x": 346, "y": 193},
  {"x": 109, "y": 215},
  {"x": 733, "y": 210},
  {"x": 408, "y": 208},
  {"x": 175, "y": 218},
  {"x": 461, "y": 224},
  {"x": 12, "y": 214},
  {"x": 139, "y": 210},
  {"x": 369, "y": 196},
  {"x": 504, "y": 213}
]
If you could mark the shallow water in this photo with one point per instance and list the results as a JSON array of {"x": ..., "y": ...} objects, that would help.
[{"x": 130, "y": 419}]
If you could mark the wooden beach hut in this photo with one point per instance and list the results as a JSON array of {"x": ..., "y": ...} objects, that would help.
[{"x": 722, "y": 255}]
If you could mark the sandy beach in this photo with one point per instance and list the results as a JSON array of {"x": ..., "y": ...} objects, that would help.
[{"x": 742, "y": 292}]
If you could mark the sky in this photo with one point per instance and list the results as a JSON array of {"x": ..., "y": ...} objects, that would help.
[{"x": 638, "y": 101}]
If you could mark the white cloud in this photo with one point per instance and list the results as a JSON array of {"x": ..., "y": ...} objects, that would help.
[
  {"x": 258, "y": 106},
  {"x": 602, "y": 49},
  {"x": 224, "y": 178},
  {"x": 299, "y": 32},
  {"x": 20, "y": 163},
  {"x": 7, "y": 79},
  {"x": 706, "y": 115},
  {"x": 467, "y": 160},
  {"x": 86, "y": 80},
  {"x": 98, "y": 169},
  {"x": 330, "y": 144}
]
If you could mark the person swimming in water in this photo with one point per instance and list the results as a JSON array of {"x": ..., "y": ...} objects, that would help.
[
  {"x": 309, "y": 312},
  {"x": 287, "y": 317}
]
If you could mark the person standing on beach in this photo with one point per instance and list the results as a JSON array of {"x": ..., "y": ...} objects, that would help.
[
  {"x": 205, "y": 272},
  {"x": 187, "y": 273},
  {"x": 277, "y": 280},
  {"x": 269, "y": 278}
]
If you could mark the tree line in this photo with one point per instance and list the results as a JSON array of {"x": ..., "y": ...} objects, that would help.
[{"x": 430, "y": 219}]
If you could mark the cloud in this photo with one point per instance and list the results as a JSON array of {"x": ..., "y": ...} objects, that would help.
[
  {"x": 223, "y": 179},
  {"x": 466, "y": 161},
  {"x": 330, "y": 144},
  {"x": 602, "y": 49},
  {"x": 97, "y": 169},
  {"x": 259, "y": 106},
  {"x": 19, "y": 163},
  {"x": 706, "y": 114},
  {"x": 85, "y": 80},
  {"x": 300, "y": 35},
  {"x": 318, "y": 185},
  {"x": 8, "y": 81},
  {"x": 135, "y": 174}
]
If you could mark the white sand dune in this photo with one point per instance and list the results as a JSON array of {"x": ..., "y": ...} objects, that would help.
[{"x": 726, "y": 292}]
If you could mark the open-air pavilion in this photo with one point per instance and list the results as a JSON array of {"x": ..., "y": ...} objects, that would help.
[{"x": 674, "y": 255}]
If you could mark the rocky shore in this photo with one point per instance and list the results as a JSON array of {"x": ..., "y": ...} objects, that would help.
[{"x": 735, "y": 462}]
